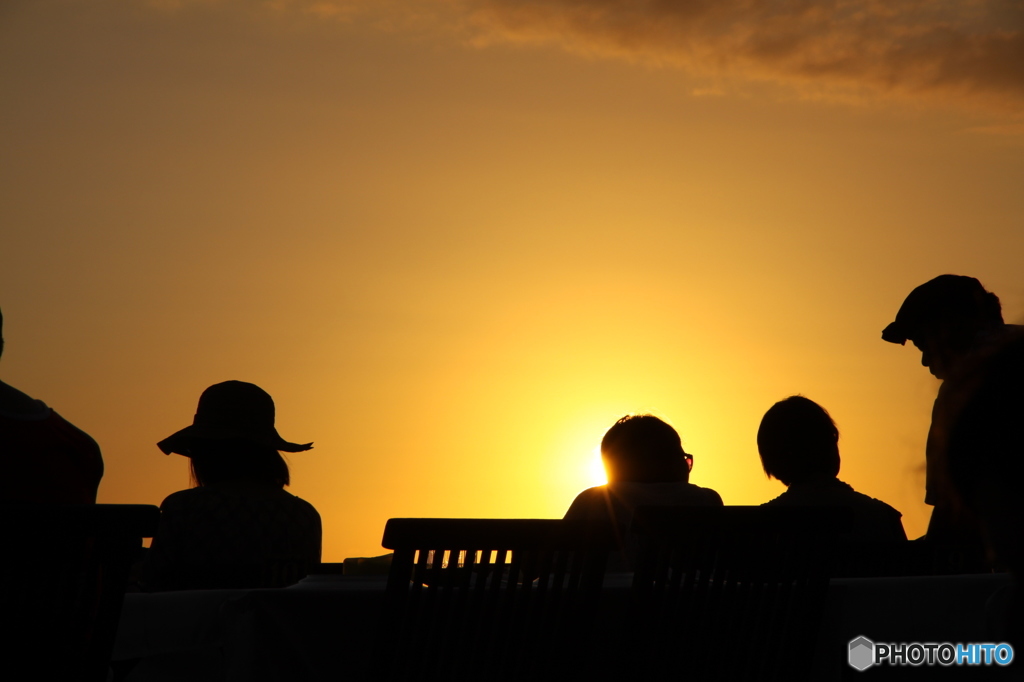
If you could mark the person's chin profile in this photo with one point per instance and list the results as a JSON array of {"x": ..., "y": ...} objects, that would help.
[
  {"x": 931, "y": 357},
  {"x": 937, "y": 370}
]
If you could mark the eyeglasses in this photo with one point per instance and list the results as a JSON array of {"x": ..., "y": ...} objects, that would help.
[{"x": 689, "y": 461}]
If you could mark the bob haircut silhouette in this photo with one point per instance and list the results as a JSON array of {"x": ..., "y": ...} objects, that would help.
[
  {"x": 798, "y": 439},
  {"x": 644, "y": 449}
]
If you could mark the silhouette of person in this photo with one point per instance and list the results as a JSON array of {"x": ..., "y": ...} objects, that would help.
[
  {"x": 46, "y": 459},
  {"x": 955, "y": 323},
  {"x": 238, "y": 527},
  {"x": 982, "y": 435},
  {"x": 646, "y": 466},
  {"x": 799, "y": 445}
]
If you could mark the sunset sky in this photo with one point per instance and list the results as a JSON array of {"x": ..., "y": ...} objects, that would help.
[{"x": 457, "y": 239}]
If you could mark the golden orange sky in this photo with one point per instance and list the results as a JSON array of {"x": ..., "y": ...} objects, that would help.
[{"x": 456, "y": 240}]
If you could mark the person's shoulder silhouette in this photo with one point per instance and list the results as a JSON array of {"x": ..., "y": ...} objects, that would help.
[
  {"x": 983, "y": 438},
  {"x": 46, "y": 459},
  {"x": 984, "y": 441}
]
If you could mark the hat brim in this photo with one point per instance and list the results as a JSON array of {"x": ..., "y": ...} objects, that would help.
[{"x": 179, "y": 441}]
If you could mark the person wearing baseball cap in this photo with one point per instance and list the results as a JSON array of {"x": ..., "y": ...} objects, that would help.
[
  {"x": 954, "y": 322},
  {"x": 947, "y": 319}
]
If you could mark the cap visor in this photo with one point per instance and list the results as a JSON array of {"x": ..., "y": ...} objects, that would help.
[{"x": 895, "y": 333}]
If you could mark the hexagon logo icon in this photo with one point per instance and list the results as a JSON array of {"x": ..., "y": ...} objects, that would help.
[{"x": 862, "y": 653}]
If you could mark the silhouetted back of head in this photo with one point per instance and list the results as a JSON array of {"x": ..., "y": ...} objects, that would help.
[
  {"x": 797, "y": 439},
  {"x": 644, "y": 449},
  {"x": 219, "y": 461}
]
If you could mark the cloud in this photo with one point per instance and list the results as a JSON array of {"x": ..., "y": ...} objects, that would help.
[
  {"x": 970, "y": 52},
  {"x": 333, "y": 10},
  {"x": 967, "y": 50},
  {"x": 325, "y": 9},
  {"x": 1011, "y": 129}
]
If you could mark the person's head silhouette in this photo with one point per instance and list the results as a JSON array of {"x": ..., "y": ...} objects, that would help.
[
  {"x": 943, "y": 318},
  {"x": 233, "y": 437},
  {"x": 798, "y": 440},
  {"x": 644, "y": 449}
]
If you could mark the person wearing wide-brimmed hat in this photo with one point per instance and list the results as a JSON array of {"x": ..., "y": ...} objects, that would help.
[{"x": 237, "y": 527}]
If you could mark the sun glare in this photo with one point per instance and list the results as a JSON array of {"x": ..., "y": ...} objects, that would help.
[
  {"x": 596, "y": 474},
  {"x": 578, "y": 458}
]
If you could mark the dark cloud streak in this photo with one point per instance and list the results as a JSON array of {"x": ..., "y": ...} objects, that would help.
[
  {"x": 970, "y": 52},
  {"x": 959, "y": 49}
]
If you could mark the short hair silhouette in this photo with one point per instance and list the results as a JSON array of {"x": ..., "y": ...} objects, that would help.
[
  {"x": 797, "y": 439},
  {"x": 644, "y": 449}
]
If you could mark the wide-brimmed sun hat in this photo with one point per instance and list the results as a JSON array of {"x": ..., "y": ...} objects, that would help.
[{"x": 232, "y": 410}]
